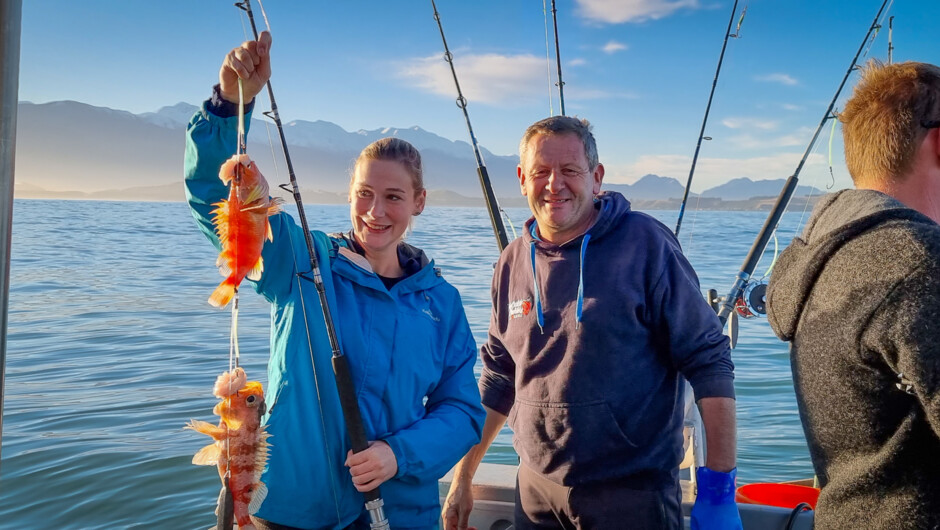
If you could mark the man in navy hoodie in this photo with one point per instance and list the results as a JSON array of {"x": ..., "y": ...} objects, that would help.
[{"x": 597, "y": 321}]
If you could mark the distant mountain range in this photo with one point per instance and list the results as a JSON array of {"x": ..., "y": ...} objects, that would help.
[{"x": 67, "y": 149}]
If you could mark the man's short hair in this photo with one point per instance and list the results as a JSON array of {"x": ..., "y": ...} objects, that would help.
[
  {"x": 886, "y": 118},
  {"x": 562, "y": 125}
]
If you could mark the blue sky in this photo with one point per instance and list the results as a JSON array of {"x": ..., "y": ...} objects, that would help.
[{"x": 639, "y": 70}]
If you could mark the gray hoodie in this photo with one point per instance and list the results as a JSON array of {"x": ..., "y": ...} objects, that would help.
[{"x": 858, "y": 297}]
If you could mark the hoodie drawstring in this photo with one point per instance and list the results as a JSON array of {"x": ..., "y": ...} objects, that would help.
[
  {"x": 584, "y": 244},
  {"x": 538, "y": 297}
]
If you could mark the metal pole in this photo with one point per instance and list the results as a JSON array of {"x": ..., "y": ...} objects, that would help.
[{"x": 10, "y": 15}]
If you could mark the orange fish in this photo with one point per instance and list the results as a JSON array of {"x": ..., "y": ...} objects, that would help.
[
  {"x": 241, "y": 446},
  {"x": 241, "y": 222}
]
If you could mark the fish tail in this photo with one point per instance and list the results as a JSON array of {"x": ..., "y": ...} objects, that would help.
[{"x": 223, "y": 293}]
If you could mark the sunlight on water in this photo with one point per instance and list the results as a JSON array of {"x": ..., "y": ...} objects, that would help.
[{"x": 112, "y": 348}]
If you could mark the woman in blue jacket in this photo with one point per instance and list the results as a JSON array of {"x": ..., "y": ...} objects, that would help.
[{"x": 399, "y": 323}]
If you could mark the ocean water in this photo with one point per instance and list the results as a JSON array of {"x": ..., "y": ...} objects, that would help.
[{"x": 112, "y": 348}]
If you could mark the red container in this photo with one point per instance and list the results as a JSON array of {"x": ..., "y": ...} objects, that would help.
[{"x": 773, "y": 494}]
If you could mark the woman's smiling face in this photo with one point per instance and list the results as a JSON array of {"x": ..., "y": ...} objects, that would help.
[{"x": 382, "y": 201}]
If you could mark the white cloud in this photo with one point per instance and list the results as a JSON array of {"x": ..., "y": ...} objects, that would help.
[
  {"x": 749, "y": 123},
  {"x": 489, "y": 78},
  {"x": 791, "y": 107},
  {"x": 800, "y": 137},
  {"x": 783, "y": 79},
  {"x": 618, "y": 11},
  {"x": 613, "y": 47},
  {"x": 574, "y": 92},
  {"x": 749, "y": 141},
  {"x": 577, "y": 62},
  {"x": 493, "y": 79},
  {"x": 711, "y": 172}
]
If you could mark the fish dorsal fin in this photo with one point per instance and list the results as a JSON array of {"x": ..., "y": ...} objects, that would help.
[
  {"x": 261, "y": 452},
  {"x": 208, "y": 456},
  {"x": 255, "y": 273},
  {"x": 220, "y": 219},
  {"x": 257, "y": 497}
]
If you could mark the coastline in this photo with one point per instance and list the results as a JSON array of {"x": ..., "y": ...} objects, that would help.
[{"x": 173, "y": 192}]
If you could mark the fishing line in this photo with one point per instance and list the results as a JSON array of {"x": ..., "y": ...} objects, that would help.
[
  {"x": 832, "y": 134},
  {"x": 234, "y": 353},
  {"x": 509, "y": 222},
  {"x": 267, "y": 126},
  {"x": 807, "y": 206}
]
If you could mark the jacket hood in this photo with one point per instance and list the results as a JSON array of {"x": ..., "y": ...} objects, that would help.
[
  {"x": 837, "y": 219},
  {"x": 420, "y": 272},
  {"x": 612, "y": 207}
]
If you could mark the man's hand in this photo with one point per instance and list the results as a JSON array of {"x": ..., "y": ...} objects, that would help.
[
  {"x": 457, "y": 505},
  {"x": 372, "y": 467},
  {"x": 250, "y": 62}
]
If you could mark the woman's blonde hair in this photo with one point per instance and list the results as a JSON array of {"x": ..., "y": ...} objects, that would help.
[{"x": 396, "y": 150}]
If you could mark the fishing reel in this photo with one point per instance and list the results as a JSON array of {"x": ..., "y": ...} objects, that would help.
[
  {"x": 751, "y": 303},
  {"x": 753, "y": 300}
]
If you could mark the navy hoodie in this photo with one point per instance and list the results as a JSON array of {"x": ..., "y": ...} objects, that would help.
[{"x": 588, "y": 343}]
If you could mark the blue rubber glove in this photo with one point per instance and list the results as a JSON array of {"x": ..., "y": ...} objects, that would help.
[{"x": 714, "y": 506}]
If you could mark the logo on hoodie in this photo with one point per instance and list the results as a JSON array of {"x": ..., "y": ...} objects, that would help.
[{"x": 520, "y": 308}]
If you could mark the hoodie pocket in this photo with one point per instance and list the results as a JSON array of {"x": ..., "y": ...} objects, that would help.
[{"x": 558, "y": 438}]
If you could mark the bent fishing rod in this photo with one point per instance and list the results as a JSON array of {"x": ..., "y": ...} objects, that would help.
[
  {"x": 344, "y": 383},
  {"x": 488, "y": 195},
  {"x": 561, "y": 84},
  {"x": 711, "y": 95},
  {"x": 763, "y": 237}
]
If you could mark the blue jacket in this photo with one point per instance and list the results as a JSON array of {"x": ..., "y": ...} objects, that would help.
[
  {"x": 588, "y": 344},
  {"x": 409, "y": 347}
]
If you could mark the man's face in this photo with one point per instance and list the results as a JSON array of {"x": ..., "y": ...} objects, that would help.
[{"x": 559, "y": 185}]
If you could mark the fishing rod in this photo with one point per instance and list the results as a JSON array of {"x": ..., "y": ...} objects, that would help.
[
  {"x": 10, "y": 17},
  {"x": 561, "y": 84},
  {"x": 701, "y": 134},
  {"x": 763, "y": 237},
  {"x": 890, "y": 39},
  {"x": 488, "y": 195},
  {"x": 341, "y": 371}
]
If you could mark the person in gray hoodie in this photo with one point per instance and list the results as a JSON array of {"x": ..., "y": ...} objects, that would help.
[
  {"x": 597, "y": 319},
  {"x": 858, "y": 297}
]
